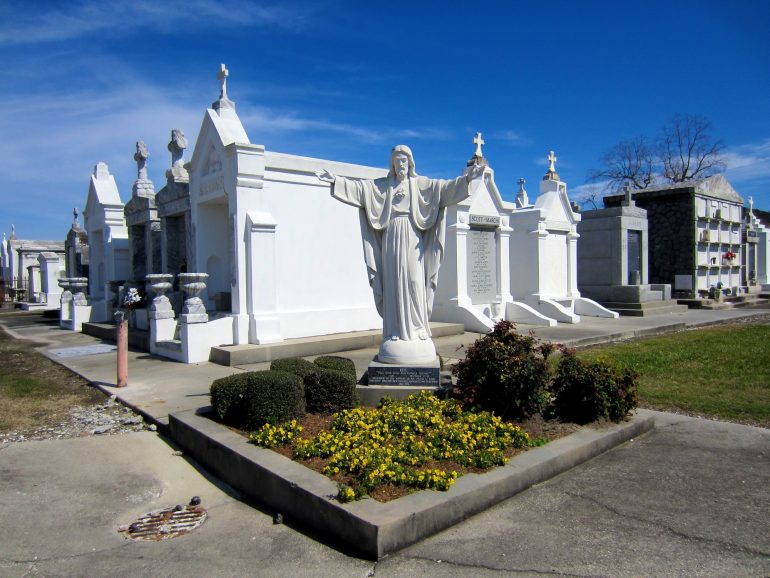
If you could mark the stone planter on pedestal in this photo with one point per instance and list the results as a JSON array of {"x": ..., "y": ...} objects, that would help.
[
  {"x": 193, "y": 284},
  {"x": 160, "y": 308},
  {"x": 78, "y": 286}
]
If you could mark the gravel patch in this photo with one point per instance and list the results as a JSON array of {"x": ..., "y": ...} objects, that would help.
[{"x": 108, "y": 418}]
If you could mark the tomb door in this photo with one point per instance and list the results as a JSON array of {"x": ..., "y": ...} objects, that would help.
[{"x": 634, "y": 257}]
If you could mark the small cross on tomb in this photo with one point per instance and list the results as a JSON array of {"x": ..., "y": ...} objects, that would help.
[
  {"x": 478, "y": 141},
  {"x": 552, "y": 159},
  {"x": 222, "y": 76}
]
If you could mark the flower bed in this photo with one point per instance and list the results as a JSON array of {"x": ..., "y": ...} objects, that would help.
[{"x": 418, "y": 443}]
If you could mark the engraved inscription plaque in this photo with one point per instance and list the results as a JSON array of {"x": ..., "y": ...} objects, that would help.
[
  {"x": 403, "y": 375},
  {"x": 481, "y": 266}
]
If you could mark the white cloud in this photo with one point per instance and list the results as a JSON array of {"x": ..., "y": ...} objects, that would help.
[
  {"x": 748, "y": 162},
  {"x": 71, "y": 20}
]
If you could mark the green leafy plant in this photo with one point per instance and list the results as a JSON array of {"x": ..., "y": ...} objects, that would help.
[
  {"x": 337, "y": 363},
  {"x": 506, "y": 373},
  {"x": 585, "y": 391},
  {"x": 250, "y": 400},
  {"x": 295, "y": 365},
  {"x": 329, "y": 390}
]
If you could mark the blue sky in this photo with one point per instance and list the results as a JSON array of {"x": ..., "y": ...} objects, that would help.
[{"x": 82, "y": 81}]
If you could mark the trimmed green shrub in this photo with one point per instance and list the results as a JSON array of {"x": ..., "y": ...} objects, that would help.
[
  {"x": 506, "y": 373},
  {"x": 250, "y": 400},
  {"x": 329, "y": 391},
  {"x": 586, "y": 391},
  {"x": 295, "y": 365},
  {"x": 227, "y": 395},
  {"x": 337, "y": 363}
]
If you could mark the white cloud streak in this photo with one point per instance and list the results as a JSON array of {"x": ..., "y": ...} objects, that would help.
[
  {"x": 71, "y": 20},
  {"x": 748, "y": 162}
]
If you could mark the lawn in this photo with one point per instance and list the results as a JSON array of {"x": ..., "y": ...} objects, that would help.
[
  {"x": 35, "y": 391},
  {"x": 721, "y": 372}
]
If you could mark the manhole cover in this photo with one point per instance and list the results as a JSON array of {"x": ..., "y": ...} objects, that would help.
[{"x": 165, "y": 524}]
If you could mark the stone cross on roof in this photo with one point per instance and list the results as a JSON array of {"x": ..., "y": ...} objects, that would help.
[
  {"x": 751, "y": 204},
  {"x": 551, "y": 174},
  {"x": 75, "y": 214},
  {"x": 223, "y": 101},
  {"x": 478, "y": 141},
  {"x": 521, "y": 196},
  {"x": 13, "y": 232},
  {"x": 552, "y": 158},
  {"x": 222, "y": 76}
]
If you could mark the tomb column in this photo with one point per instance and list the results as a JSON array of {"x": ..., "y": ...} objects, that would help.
[
  {"x": 261, "y": 297},
  {"x": 460, "y": 231},
  {"x": 572, "y": 238},
  {"x": 503, "y": 236}
]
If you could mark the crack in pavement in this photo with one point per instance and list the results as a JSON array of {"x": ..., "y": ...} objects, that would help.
[
  {"x": 670, "y": 530},
  {"x": 506, "y": 570}
]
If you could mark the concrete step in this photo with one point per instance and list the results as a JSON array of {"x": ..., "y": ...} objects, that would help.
[
  {"x": 320, "y": 345},
  {"x": 647, "y": 311},
  {"x": 171, "y": 344},
  {"x": 137, "y": 339},
  {"x": 732, "y": 302}
]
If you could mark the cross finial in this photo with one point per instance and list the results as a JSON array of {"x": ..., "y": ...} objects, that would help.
[
  {"x": 478, "y": 141},
  {"x": 751, "y": 203},
  {"x": 552, "y": 159},
  {"x": 13, "y": 232},
  {"x": 521, "y": 197},
  {"x": 222, "y": 76},
  {"x": 75, "y": 214}
]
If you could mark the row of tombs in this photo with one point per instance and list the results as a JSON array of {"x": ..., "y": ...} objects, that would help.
[{"x": 245, "y": 245}]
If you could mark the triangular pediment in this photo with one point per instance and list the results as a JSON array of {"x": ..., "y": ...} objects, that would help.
[
  {"x": 555, "y": 207},
  {"x": 485, "y": 198}
]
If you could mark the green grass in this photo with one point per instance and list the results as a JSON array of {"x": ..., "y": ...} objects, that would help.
[
  {"x": 721, "y": 372},
  {"x": 19, "y": 386}
]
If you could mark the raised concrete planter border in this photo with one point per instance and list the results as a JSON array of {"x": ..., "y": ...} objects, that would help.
[{"x": 372, "y": 528}]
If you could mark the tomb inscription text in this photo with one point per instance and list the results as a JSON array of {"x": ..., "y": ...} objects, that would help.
[{"x": 481, "y": 266}]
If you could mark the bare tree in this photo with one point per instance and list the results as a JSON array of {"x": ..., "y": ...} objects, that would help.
[
  {"x": 590, "y": 197},
  {"x": 687, "y": 151},
  {"x": 631, "y": 161}
]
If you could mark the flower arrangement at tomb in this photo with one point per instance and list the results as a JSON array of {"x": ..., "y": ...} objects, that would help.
[
  {"x": 729, "y": 256},
  {"x": 132, "y": 300}
]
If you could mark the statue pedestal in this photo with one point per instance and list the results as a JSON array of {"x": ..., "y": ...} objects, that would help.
[{"x": 390, "y": 374}]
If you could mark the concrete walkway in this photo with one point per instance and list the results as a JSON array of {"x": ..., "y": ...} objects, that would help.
[{"x": 689, "y": 499}]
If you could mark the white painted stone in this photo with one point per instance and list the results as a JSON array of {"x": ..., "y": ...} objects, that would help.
[
  {"x": 105, "y": 226},
  {"x": 544, "y": 258},
  {"x": 474, "y": 281}
]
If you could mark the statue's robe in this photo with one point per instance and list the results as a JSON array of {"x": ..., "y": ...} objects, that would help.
[{"x": 403, "y": 228}]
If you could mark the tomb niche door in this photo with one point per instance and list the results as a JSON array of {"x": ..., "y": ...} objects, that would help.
[{"x": 634, "y": 257}]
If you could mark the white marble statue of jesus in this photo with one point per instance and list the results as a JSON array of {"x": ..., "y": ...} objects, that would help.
[{"x": 403, "y": 220}]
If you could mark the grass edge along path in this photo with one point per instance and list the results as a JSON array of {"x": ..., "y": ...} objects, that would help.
[{"x": 718, "y": 372}]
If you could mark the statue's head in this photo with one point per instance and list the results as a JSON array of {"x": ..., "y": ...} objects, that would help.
[{"x": 401, "y": 151}]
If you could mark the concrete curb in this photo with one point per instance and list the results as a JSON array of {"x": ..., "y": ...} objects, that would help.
[{"x": 372, "y": 528}]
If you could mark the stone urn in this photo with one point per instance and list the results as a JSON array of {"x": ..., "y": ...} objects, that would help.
[
  {"x": 161, "y": 306},
  {"x": 193, "y": 284},
  {"x": 64, "y": 283},
  {"x": 78, "y": 286}
]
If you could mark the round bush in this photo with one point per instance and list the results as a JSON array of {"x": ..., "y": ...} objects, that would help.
[
  {"x": 295, "y": 365},
  {"x": 329, "y": 391},
  {"x": 586, "y": 391},
  {"x": 227, "y": 394},
  {"x": 337, "y": 363},
  {"x": 250, "y": 400}
]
